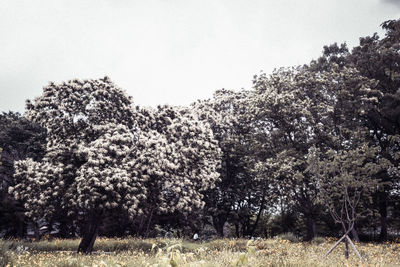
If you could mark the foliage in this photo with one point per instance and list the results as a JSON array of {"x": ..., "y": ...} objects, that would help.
[
  {"x": 342, "y": 177},
  {"x": 294, "y": 110},
  {"x": 179, "y": 156},
  {"x": 19, "y": 139},
  {"x": 84, "y": 120},
  {"x": 266, "y": 161},
  {"x": 238, "y": 195},
  {"x": 104, "y": 156},
  {"x": 377, "y": 58}
]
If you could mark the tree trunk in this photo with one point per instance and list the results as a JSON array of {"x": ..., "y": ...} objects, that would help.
[
  {"x": 148, "y": 223},
  {"x": 253, "y": 229},
  {"x": 63, "y": 230},
  {"x": 141, "y": 224},
  {"x": 346, "y": 241},
  {"x": 21, "y": 229},
  {"x": 384, "y": 229},
  {"x": 383, "y": 213},
  {"x": 346, "y": 252},
  {"x": 244, "y": 228},
  {"x": 89, "y": 236},
  {"x": 355, "y": 235},
  {"x": 218, "y": 223},
  {"x": 237, "y": 230},
  {"x": 37, "y": 233},
  {"x": 311, "y": 228}
]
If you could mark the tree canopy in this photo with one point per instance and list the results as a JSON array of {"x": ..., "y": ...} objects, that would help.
[{"x": 304, "y": 142}]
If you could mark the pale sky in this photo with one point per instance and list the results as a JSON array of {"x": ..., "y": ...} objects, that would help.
[{"x": 170, "y": 51}]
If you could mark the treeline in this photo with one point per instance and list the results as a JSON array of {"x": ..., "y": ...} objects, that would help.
[{"x": 312, "y": 150}]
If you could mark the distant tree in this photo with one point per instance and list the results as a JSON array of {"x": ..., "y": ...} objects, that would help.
[
  {"x": 377, "y": 58},
  {"x": 296, "y": 109},
  {"x": 284, "y": 130},
  {"x": 238, "y": 197},
  {"x": 19, "y": 139}
]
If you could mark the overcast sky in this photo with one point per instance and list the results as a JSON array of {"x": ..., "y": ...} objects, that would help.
[{"x": 170, "y": 51}]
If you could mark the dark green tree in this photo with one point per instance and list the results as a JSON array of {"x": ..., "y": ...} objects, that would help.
[
  {"x": 238, "y": 198},
  {"x": 19, "y": 139},
  {"x": 299, "y": 108}
]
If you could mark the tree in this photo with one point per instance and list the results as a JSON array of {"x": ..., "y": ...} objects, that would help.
[
  {"x": 284, "y": 107},
  {"x": 180, "y": 159},
  {"x": 19, "y": 139},
  {"x": 298, "y": 108},
  {"x": 86, "y": 170},
  {"x": 379, "y": 59},
  {"x": 376, "y": 58},
  {"x": 103, "y": 156},
  {"x": 342, "y": 176},
  {"x": 238, "y": 196}
]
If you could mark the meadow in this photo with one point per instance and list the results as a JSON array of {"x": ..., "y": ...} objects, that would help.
[{"x": 178, "y": 252}]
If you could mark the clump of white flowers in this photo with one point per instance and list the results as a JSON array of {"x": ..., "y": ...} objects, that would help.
[
  {"x": 179, "y": 156},
  {"x": 90, "y": 142},
  {"x": 105, "y": 181},
  {"x": 37, "y": 186}
]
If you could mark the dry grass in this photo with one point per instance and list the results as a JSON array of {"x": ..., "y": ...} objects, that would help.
[{"x": 164, "y": 252}]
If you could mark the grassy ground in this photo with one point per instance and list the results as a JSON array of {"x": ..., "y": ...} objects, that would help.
[{"x": 165, "y": 252}]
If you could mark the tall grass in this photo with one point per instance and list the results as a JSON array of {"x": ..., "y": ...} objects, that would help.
[
  {"x": 5, "y": 258},
  {"x": 177, "y": 252}
]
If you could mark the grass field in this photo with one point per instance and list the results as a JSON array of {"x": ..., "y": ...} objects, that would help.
[{"x": 175, "y": 252}]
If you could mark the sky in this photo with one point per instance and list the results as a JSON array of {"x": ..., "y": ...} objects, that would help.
[{"x": 170, "y": 51}]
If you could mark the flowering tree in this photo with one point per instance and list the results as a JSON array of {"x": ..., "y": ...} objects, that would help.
[
  {"x": 103, "y": 156},
  {"x": 86, "y": 170},
  {"x": 179, "y": 158}
]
